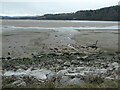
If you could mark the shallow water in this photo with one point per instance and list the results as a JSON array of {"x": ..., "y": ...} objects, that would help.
[
  {"x": 13, "y": 27},
  {"x": 9, "y": 28},
  {"x": 90, "y": 21}
]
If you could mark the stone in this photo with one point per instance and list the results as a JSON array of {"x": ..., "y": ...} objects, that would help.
[
  {"x": 101, "y": 70},
  {"x": 19, "y": 83},
  {"x": 16, "y": 82},
  {"x": 80, "y": 68},
  {"x": 56, "y": 35},
  {"x": 109, "y": 78},
  {"x": 76, "y": 81},
  {"x": 78, "y": 57},
  {"x": 64, "y": 80},
  {"x": 8, "y": 58},
  {"x": 58, "y": 68},
  {"x": 115, "y": 65},
  {"x": 72, "y": 74},
  {"x": 62, "y": 72},
  {"x": 40, "y": 74},
  {"x": 74, "y": 62},
  {"x": 17, "y": 73},
  {"x": 67, "y": 63},
  {"x": 85, "y": 57},
  {"x": 22, "y": 84},
  {"x": 60, "y": 60},
  {"x": 21, "y": 66},
  {"x": 51, "y": 75},
  {"x": 110, "y": 68}
]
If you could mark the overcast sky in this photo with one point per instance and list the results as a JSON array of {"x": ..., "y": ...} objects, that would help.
[{"x": 40, "y": 7}]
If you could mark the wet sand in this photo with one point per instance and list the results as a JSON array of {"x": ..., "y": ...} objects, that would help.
[
  {"x": 24, "y": 43},
  {"x": 57, "y": 23},
  {"x": 106, "y": 41}
]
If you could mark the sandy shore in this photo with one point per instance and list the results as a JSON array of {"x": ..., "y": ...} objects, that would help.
[{"x": 24, "y": 43}]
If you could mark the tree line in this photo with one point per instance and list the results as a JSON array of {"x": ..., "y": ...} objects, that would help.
[{"x": 107, "y": 13}]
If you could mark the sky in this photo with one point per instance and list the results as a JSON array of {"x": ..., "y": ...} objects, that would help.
[{"x": 41, "y": 7}]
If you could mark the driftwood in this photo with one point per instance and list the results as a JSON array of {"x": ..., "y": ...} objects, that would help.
[{"x": 94, "y": 45}]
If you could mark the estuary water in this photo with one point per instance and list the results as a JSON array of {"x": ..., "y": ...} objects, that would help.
[{"x": 72, "y": 26}]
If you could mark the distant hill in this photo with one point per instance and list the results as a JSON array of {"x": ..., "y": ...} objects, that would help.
[{"x": 107, "y": 13}]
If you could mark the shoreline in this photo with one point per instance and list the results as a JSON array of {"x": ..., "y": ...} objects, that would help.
[
  {"x": 25, "y": 42},
  {"x": 61, "y": 57}
]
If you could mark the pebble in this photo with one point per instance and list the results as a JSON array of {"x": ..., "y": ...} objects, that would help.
[{"x": 67, "y": 63}]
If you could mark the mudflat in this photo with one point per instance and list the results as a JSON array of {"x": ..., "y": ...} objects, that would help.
[
  {"x": 20, "y": 42},
  {"x": 58, "y": 23}
]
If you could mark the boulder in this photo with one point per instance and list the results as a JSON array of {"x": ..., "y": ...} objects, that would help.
[
  {"x": 40, "y": 74},
  {"x": 76, "y": 81},
  {"x": 51, "y": 75},
  {"x": 115, "y": 65},
  {"x": 62, "y": 72},
  {"x": 64, "y": 80}
]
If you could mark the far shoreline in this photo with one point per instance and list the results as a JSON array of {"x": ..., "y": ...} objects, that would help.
[{"x": 65, "y": 20}]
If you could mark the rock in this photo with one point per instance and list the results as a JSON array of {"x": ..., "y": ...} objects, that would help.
[
  {"x": 16, "y": 82},
  {"x": 62, "y": 72},
  {"x": 101, "y": 70},
  {"x": 115, "y": 65},
  {"x": 8, "y": 58},
  {"x": 21, "y": 66},
  {"x": 19, "y": 83},
  {"x": 17, "y": 73},
  {"x": 71, "y": 70},
  {"x": 67, "y": 63},
  {"x": 65, "y": 67},
  {"x": 72, "y": 74},
  {"x": 85, "y": 57},
  {"x": 76, "y": 81},
  {"x": 58, "y": 68},
  {"x": 64, "y": 80},
  {"x": 80, "y": 68},
  {"x": 109, "y": 78},
  {"x": 22, "y": 84},
  {"x": 56, "y": 35},
  {"x": 78, "y": 57},
  {"x": 40, "y": 74},
  {"x": 60, "y": 60},
  {"x": 110, "y": 68},
  {"x": 51, "y": 75},
  {"x": 8, "y": 53},
  {"x": 58, "y": 54},
  {"x": 74, "y": 62},
  {"x": 56, "y": 49}
]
